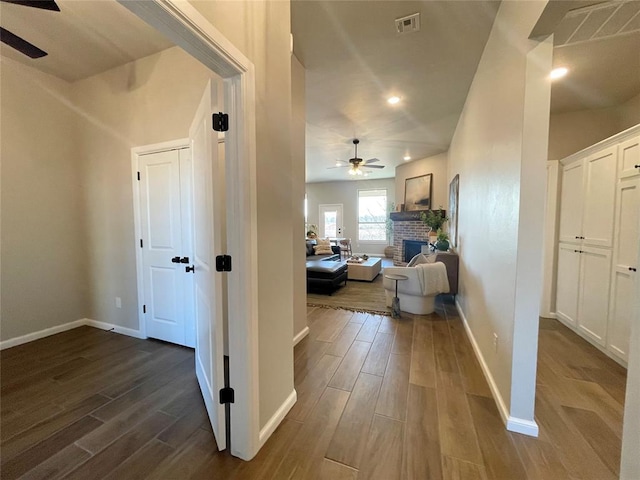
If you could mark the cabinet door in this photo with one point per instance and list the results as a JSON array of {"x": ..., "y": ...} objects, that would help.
[
  {"x": 571, "y": 203},
  {"x": 625, "y": 259},
  {"x": 593, "y": 303},
  {"x": 629, "y": 153},
  {"x": 599, "y": 198},
  {"x": 567, "y": 286}
]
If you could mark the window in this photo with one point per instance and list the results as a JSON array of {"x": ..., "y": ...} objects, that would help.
[{"x": 372, "y": 215}]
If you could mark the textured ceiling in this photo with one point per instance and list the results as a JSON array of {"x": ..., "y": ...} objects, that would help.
[
  {"x": 355, "y": 60},
  {"x": 84, "y": 38}
]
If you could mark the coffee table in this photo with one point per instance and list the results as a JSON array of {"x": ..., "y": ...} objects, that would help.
[{"x": 367, "y": 270}]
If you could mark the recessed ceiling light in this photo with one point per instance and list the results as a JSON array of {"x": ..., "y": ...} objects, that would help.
[
  {"x": 338, "y": 163},
  {"x": 558, "y": 73},
  {"x": 393, "y": 100},
  {"x": 406, "y": 158}
]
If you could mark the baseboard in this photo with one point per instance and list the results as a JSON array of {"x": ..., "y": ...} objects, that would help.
[
  {"x": 513, "y": 424},
  {"x": 47, "y": 332},
  {"x": 276, "y": 419},
  {"x": 298, "y": 338},
  {"x": 519, "y": 425},
  {"x": 30, "y": 337},
  {"x": 115, "y": 328}
]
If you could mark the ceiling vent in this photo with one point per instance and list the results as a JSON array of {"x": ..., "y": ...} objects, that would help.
[{"x": 408, "y": 24}]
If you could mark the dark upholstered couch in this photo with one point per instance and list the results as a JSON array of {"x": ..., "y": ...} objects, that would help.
[{"x": 325, "y": 272}]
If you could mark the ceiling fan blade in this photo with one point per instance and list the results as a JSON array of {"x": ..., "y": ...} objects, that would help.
[
  {"x": 338, "y": 166},
  {"x": 371, "y": 160},
  {"x": 42, "y": 4},
  {"x": 373, "y": 166},
  {"x": 20, "y": 44}
]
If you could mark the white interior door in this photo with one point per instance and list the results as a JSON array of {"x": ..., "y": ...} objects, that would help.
[
  {"x": 166, "y": 225},
  {"x": 331, "y": 221},
  {"x": 207, "y": 206}
]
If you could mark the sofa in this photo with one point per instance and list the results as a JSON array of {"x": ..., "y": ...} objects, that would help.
[
  {"x": 438, "y": 274},
  {"x": 325, "y": 272}
]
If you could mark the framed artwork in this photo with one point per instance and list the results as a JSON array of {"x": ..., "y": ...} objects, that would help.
[
  {"x": 417, "y": 192},
  {"x": 454, "y": 193}
]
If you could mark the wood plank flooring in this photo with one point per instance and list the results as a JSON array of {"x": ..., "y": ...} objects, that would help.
[{"x": 377, "y": 398}]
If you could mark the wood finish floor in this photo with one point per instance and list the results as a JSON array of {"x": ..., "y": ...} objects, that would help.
[{"x": 377, "y": 398}]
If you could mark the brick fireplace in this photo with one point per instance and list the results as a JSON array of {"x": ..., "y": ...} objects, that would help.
[{"x": 407, "y": 226}]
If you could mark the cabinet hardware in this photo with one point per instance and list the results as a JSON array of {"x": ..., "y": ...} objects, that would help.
[
  {"x": 636, "y": 166},
  {"x": 633, "y": 269},
  {"x": 184, "y": 260},
  {"x": 190, "y": 269},
  {"x": 175, "y": 260}
]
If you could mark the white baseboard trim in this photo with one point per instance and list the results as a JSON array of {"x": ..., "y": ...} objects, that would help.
[
  {"x": 526, "y": 427},
  {"x": 298, "y": 338},
  {"x": 277, "y": 418},
  {"x": 116, "y": 328},
  {"x": 47, "y": 332},
  {"x": 30, "y": 337},
  {"x": 513, "y": 424}
]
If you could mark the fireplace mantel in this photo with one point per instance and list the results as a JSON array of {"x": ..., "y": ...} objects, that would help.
[{"x": 411, "y": 216}]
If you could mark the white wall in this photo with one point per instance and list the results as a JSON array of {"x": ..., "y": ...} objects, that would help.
[
  {"x": 437, "y": 165},
  {"x": 630, "y": 462},
  {"x": 261, "y": 31},
  {"x": 570, "y": 132},
  {"x": 298, "y": 126},
  {"x": 346, "y": 193},
  {"x": 44, "y": 267},
  {"x": 499, "y": 150},
  {"x": 148, "y": 101}
]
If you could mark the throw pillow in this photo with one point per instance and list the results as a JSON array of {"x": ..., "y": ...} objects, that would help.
[
  {"x": 417, "y": 260},
  {"x": 323, "y": 247},
  {"x": 323, "y": 250},
  {"x": 310, "y": 250}
]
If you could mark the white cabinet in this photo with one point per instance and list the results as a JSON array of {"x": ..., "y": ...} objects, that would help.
[
  {"x": 567, "y": 285},
  {"x": 599, "y": 198},
  {"x": 587, "y": 199},
  {"x": 625, "y": 265},
  {"x": 582, "y": 289},
  {"x": 598, "y": 237},
  {"x": 571, "y": 202},
  {"x": 629, "y": 152},
  {"x": 593, "y": 300}
]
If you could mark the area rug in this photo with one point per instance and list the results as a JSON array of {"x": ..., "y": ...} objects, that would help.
[{"x": 356, "y": 296}]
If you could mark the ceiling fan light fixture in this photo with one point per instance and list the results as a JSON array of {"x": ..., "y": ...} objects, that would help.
[
  {"x": 406, "y": 158},
  {"x": 393, "y": 100}
]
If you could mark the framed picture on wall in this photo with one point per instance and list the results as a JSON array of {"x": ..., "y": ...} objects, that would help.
[
  {"x": 417, "y": 192},
  {"x": 454, "y": 193}
]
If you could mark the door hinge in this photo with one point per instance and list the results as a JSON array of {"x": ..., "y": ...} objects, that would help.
[
  {"x": 223, "y": 263},
  {"x": 138, "y": 176},
  {"x": 220, "y": 122},
  {"x": 227, "y": 395},
  {"x": 144, "y": 309},
  {"x": 141, "y": 244}
]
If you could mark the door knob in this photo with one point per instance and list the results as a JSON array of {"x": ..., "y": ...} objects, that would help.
[
  {"x": 184, "y": 260},
  {"x": 175, "y": 260},
  {"x": 190, "y": 269},
  {"x": 633, "y": 269}
]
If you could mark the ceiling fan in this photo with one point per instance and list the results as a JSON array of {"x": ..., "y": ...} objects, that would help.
[
  {"x": 357, "y": 164},
  {"x": 19, "y": 43}
]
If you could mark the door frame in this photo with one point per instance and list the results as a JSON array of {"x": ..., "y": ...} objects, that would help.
[
  {"x": 187, "y": 28},
  {"x": 136, "y": 152}
]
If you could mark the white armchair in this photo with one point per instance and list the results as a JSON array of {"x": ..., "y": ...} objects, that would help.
[{"x": 417, "y": 294}]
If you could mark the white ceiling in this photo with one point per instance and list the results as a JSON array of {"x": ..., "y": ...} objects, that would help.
[
  {"x": 84, "y": 38},
  {"x": 354, "y": 60}
]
